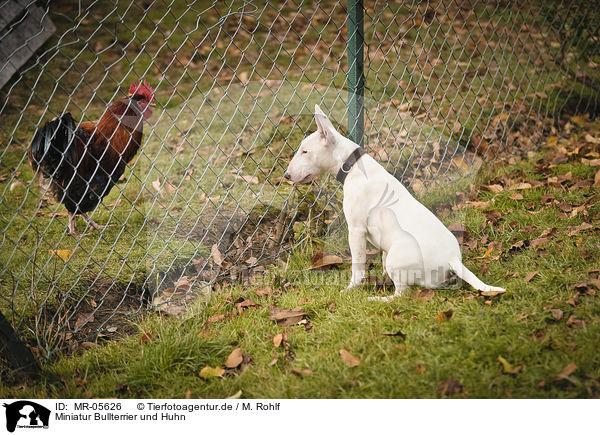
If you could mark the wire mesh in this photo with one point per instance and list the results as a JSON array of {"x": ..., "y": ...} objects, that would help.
[{"x": 449, "y": 84}]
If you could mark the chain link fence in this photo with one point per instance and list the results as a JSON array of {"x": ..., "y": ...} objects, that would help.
[{"x": 447, "y": 85}]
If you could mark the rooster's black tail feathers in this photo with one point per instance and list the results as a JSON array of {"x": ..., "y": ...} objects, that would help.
[{"x": 53, "y": 145}]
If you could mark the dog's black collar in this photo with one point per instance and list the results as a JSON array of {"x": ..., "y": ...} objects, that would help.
[{"x": 347, "y": 165}]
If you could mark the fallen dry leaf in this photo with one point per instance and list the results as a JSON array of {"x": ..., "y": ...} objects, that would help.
[
  {"x": 549, "y": 232},
  {"x": 577, "y": 229},
  {"x": 518, "y": 246},
  {"x": 211, "y": 372},
  {"x": 577, "y": 323},
  {"x": 540, "y": 241},
  {"x": 485, "y": 255},
  {"x": 444, "y": 316},
  {"x": 236, "y": 395},
  {"x": 156, "y": 185},
  {"x": 216, "y": 254},
  {"x": 420, "y": 368},
  {"x": 424, "y": 294},
  {"x": 246, "y": 361},
  {"x": 83, "y": 319},
  {"x": 495, "y": 188},
  {"x": 448, "y": 387},
  {"x": 243, "y": 76},
  {"x": 520, "y": 186},
  {"x": 455, "y": 227},
  {"x": 63, "y": 254},
  {"x": 479, "y": 204},
  {"x": 418, "y": 187},
  {"x": 395, "y": 334},
  {"x": 216, "y": 318},
  {"x": 493, "y": 216},
  {"x": 556, "y": 313},
  {"x": 251, "y": 261},
  {"x": 349, "y": 359},
  {"x": 87, "y": 345},
  {"x": 241, "y": 303},
  {"x": 184, "y": 282},
  {"x": 585, "y": 287},
  {"x": 250, "y": 179},
  {"x": 574, "y": 299},
  {"x": 583, "y": 184},
  {"x": 530, "y": 276},
  {"x": 565, "y": 207},
  {"x": 539, "y": 335},
  {"x": 263, "y": 291},
  {"x": 566, "y": 372},
  {"x": 506, "y": 366},
  {"x": 277, "y": 340},
  {"x": 590, "y": 162},
  {"x": 234, "y": 359},
  {"x": 458, "y": 230},
  {"x": 146, "y": 337},
  {"x": 285, "y": 316},
  {"x": 597, "y": 178},
  {"x": 324, "y": 259},
  {"x": 460, "y": 162},
  {"x": 303, "y": 372}
]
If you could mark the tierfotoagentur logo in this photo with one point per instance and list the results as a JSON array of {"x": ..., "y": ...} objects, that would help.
[{"x": 25, "y": 414}]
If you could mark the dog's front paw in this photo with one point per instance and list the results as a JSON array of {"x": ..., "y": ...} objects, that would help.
[
  {"x": 350, "y": 287},
  {"x": 380, "y": 298},
  {"x": 353, "y": 284}
]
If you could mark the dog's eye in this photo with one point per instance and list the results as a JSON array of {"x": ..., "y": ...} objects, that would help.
[{"x": 304, "y": 151}]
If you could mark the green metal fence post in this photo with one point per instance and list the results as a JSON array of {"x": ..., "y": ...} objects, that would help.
[{"x": 356, "y": 75}]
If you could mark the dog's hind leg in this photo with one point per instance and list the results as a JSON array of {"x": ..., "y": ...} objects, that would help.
[
  {"x": 383, "y": 257},
  {"x": 403, "y": 264},
  {"x": 399, "y": 292}
]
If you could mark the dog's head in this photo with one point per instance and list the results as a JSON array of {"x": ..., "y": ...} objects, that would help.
[{"x": 315, "y": 155}]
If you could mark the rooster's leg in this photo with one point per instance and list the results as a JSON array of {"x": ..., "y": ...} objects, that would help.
[
  {"x": 72, "y": 225},
  {"x": 92, "y": 223}
]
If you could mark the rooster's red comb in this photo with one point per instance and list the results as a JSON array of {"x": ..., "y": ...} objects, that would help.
[{"x": 141, "y": 88}]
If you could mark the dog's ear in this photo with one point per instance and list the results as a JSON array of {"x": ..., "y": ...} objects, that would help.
[{"x": 324, "y": 126}]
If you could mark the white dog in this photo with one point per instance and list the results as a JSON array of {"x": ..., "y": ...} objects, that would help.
[{"x": 417, "y": 247}]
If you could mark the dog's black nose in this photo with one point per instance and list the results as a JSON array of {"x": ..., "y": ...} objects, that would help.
[{"x": 286, "y": 176}]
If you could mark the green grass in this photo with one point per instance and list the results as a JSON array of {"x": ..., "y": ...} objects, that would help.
[
  {"x": 165, "y": 357},
  {"x": 212, "y": 126}
]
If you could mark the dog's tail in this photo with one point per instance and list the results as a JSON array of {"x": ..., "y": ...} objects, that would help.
[{"x": 466, "y": 275}]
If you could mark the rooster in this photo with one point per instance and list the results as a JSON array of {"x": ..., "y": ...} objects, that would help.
[{"x": 82, "y": 162}]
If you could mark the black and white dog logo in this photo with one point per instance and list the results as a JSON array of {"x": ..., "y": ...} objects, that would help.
[{"x": 26, "y": 414}]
